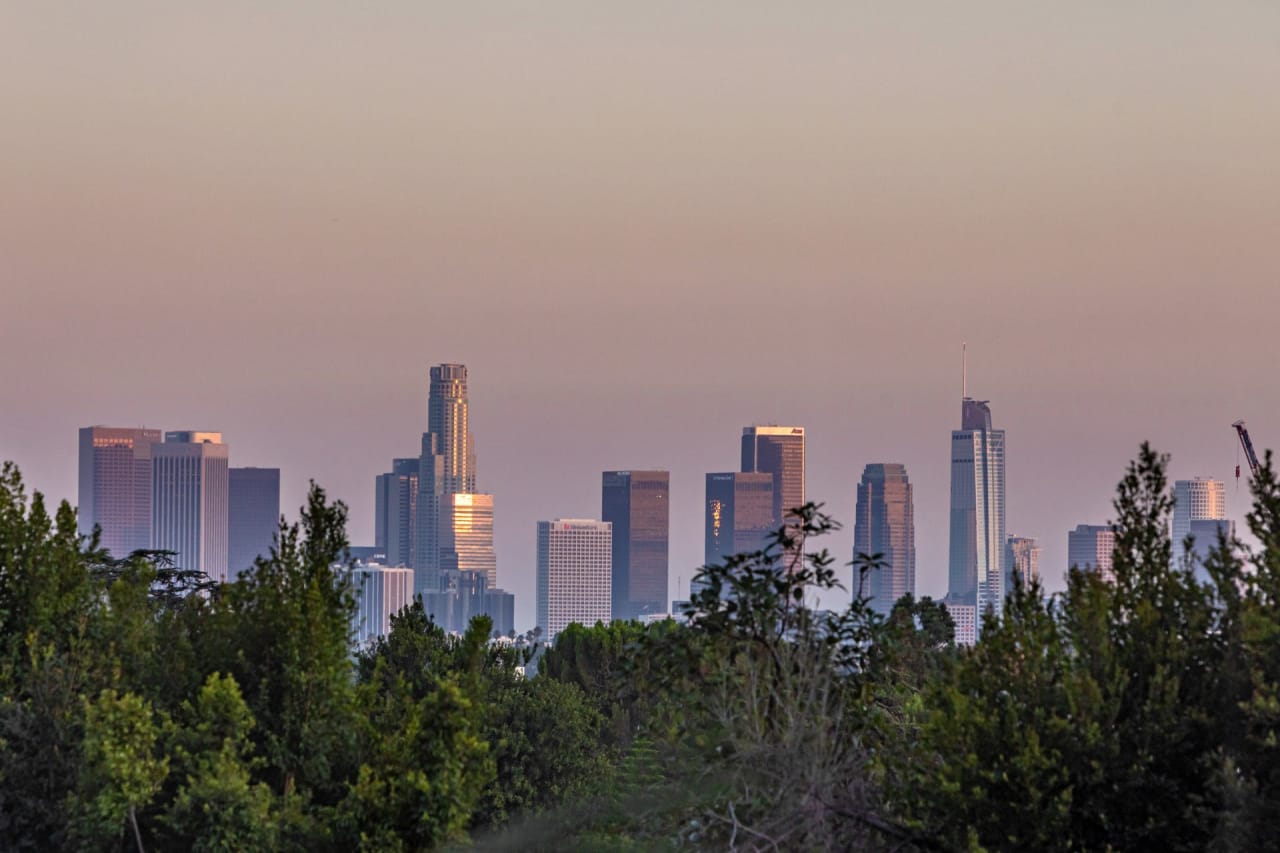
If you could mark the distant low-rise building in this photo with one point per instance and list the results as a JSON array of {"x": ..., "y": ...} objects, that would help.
[
  {"x": 381, "y": 592},
  {"x": 1090, "y": 548}
]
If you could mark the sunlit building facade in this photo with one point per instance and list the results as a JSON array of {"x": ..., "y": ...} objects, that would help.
[
  {"x": 1201, "y": 499},
  {"x": 1022, "y": 558},
  {"x": 884, "y": 524},
  {"x": 446, "y": 466},
  {"x": 574, "y": 573},
  {"x": 115, "y": 486},
  {"x": 466, "y": 535},
  {"x": 637, "y": 504},
  {"x": 779, "y": 451}
]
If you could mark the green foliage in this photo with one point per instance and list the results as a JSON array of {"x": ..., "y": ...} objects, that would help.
[
  {"x": 142, "y": 706},
  {"x": 217, "y": 806},
  {"x": 120, "y": 772}
]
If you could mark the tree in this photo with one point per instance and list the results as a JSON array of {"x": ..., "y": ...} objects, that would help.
[
  {"x": 216, "y": 806},
  {"x": 121, "y": 772}
]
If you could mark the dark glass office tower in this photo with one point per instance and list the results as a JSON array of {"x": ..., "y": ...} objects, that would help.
[
  {"x": 253, "y": 515},
  {"x": 779, "y": 451},
  {"x": 885, "y": 524},
  {"x": 739, "y": 515},
  {"x": 396, "y": 512},
  {"x": 115, "y": 486},
  {"x": 638, "y": 505}
]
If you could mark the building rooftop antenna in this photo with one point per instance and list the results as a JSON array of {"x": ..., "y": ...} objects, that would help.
[{"x": 964, "y": 370}]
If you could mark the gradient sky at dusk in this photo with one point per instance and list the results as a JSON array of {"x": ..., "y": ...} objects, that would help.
[{"x": 643, "y": 226}]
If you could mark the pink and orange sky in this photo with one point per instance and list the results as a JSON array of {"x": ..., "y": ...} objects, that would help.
[{"x": 643, "y": 226}]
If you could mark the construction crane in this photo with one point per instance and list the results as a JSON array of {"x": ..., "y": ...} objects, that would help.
[{"x": 1248, "y": 450}]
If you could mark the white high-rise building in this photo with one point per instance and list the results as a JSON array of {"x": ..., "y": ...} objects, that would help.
[
  {"x": 189, "y": 500},
  {"x": 575, "y": 573},
  {"x": 381, "y": 592},
  {"x": 977, "y": 572},
  {"x": 1201, "y": 499},
  {"x": 1090, "y": 548}
]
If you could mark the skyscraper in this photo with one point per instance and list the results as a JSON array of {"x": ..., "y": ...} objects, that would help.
[
  {"x": 253, "y": 515},
  {"x": 637, "y": 504},
  {"x": 1090, "y": 548},
  {"x": 447, "y": 466},
  {"x": 575, "y": 573},
  {"x": 739, "y": 514},
  {"x": 115, "y": 486},
  {"x": 777, "y": 450},
  {"x": 1201, "y": 499},
  {"x": 466, "y": 535},
  {"x": 1022, "y": 559},
  {"x": 885, "y": 524},
  {"x": 977, "y": 510},
  {"x": 396, "y": 512},
  {"x": 190, "y": 500}
]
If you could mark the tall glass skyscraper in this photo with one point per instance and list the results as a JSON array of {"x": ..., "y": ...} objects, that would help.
[
  {"x": 977, "y": 573},
  {"x": 777, "y": 450},
  {"x": 189, "y": 505},
  {"x": 739, "y": 514},
  {"x": 446, "y": 467},
  {"x": 637, "y": 504},
  {"x": 115, "y": 486},
  {"x": 885, "y": 524},
  {"x": 253, "y": 515}
]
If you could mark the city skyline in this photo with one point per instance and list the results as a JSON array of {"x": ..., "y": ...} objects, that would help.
[{"x": 609, "y": 213}]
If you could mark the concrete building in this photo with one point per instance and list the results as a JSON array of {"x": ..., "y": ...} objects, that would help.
[
  {"x": 189, "y": 503},
  {"x": 381, "y": 592},
  {"x": 884, "y": 523},
  {"x": 253, "y": 515},
  {"x": 739, "y": 514},
  {"x": 1090, "y": 548},
  {"x": 574, "y": 573},
  {"x": 1201, "y": 499},
  {"x": 1022, "y": 558},
  {"x": 779, "y": 451},
  {"x": 396, "y": 511},
  {"x": 466, "y": 535},
  {"x": 965, "y": 617},
  {"x": 977, "y": 573},
  {"x": 446, "y": 466},
  {"x": 637, "y": 504},
  {"x": 115, "y": 486}
]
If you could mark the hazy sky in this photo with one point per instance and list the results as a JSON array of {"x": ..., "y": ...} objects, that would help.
[{"x": 643, "y": 226}]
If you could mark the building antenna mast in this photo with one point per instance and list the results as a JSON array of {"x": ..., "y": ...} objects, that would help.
[{"x": 964, "y": 370}]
